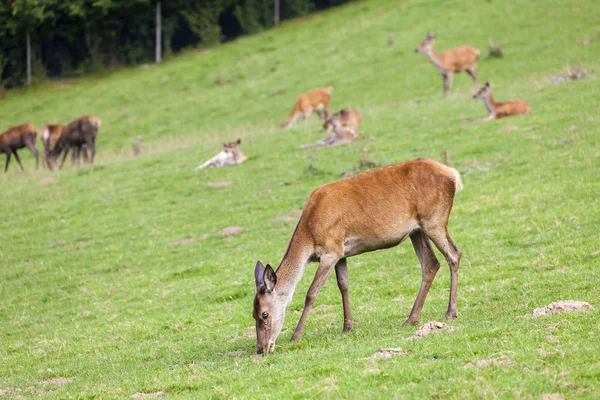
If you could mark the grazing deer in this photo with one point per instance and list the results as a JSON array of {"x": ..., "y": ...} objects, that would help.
[
  {"x": 77, "y": 136},
  {"x": 49, "y": 136},
  {"x": 500, "y": 110},
  {"x": 16, "y": 138},
  {"x": 373, "y": 210},
  {"x": 230, "y": 155},
  {"x": 463, "y": 58},
  {"x": 315, "y": 100}
]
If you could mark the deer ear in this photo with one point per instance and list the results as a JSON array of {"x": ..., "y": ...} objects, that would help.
[
  {"x": 487, "y": 84},
  {"x": 224, "y": 144},
  {"x": 239, "y": 141},
  {"x": 269, "y": 278},
  {"x": 259, "y": 274}
]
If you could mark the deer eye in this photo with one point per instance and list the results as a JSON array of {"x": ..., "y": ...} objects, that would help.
[{"x": 265, "y": 315}]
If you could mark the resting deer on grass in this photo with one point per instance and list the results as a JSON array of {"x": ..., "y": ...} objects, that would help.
[
  {"x": 79, "y": 136},
  {"x": 230, "y": 155},
  {"x": 347, "y": 117},
  {"x": 374, "y": 210},
  {"x": 499, "y": 110},
  {"x": 315, "y": 100},
  {"x": 17, "y": 138},
  {"x": 463, "y": 58},
  {"x": 341, "y": 135}
]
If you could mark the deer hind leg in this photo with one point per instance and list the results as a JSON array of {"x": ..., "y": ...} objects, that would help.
[
  {"x": 448, "y": 83},
  {"x": 31, "y": 146},
  {"x": 75, "y": 151},
  {"x": 341, "y": 273},
  {"x": 18, "y": 160},
  {"x": 90, "y": 144},
  {"x": 473, "y": 72},
  {"x": 452, "y": 253},
  {"x": 326, "y": 265},
  {"x": 429, "y": 268}
]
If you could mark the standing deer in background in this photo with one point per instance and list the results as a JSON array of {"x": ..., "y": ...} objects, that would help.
[
  {"x": 17, "y": 138},
  {"x": 463, "y": 58},
  {"x": 79, "y": 136},
  {"x": 315, "y": 100},
  {"x": 374, "y": 210},
  {"x": 230, "y": 155},
  {"x": 500, "y": 110}
]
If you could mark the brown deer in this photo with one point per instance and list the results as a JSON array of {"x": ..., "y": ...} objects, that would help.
[
  {"x": 342, "y": 134},
  {"x": 374, "y": 210},
  {"x": 49, "y": 136},
  {"x": 230, "y": 155},
  {"x": 314, "y": 100},
  {"x": 463, "y": 58},
  {"x": 348, "y": 117},
  {"x": 500, "y": 110},
  {"x": 17, "y": 138},
  {"x": 79, "y": 136}
]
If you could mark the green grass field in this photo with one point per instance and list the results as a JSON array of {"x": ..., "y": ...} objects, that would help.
[{"x": 96, "y": 288}]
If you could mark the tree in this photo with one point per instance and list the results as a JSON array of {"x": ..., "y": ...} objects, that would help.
[{"x": 158, "y": 54}]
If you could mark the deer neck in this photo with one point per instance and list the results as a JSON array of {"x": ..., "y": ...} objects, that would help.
[
  {"x": 435, "y": 60},
  {"x": 490, "y": 103},
  {"x": 292, "y": 267}
]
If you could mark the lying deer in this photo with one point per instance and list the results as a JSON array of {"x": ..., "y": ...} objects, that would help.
[
  {"x": 500, "y": 110},
  {"x": 230, "y": 155},
  {"x": 373, "y": 210},
  {"x": 463, "y": 58},
  {"x": 347, "y": 117},
  {"x": 79, "y": 136},
  {"x": 17, "y": 138},
  {"x": 315, "y": 100},
  {"x": 341, "y": 135}
]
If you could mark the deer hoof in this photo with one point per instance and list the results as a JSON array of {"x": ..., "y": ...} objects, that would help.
[
  {"x": 410, "y": 322},
  {"x": 450, "y": 315},
  {"x": 296, "y": 337}
]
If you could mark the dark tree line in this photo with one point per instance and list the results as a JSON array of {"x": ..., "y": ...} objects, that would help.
[{"x": 53, "y": 38}]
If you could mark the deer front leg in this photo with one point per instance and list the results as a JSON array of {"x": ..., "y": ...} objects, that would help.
[
  {"x": 36, "y": 153},
  {"x": 341, "y": 273},
  {"x": 66, "y": 150},
  {"x": 429, "y": 268},
  {"x": 326, "y": 265},
  {"x": 448, "y": 83},
  {"x": 7, "y": 161}
]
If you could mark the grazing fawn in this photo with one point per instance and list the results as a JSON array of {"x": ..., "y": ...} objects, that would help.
[
  {"x": 50, "y": 134},
  {"x": 230, "y": 155},
  {"x": 17, "y": 138},
  {"x": 77, "y": 136},
  {"x": 463, "y": 58},
  {"x": 500, "y": 110},
  {"x": 315, "y": 100},
  {"x": 374, "y": 210}
]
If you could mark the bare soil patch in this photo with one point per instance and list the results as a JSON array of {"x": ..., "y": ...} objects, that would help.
[
  {"x": 389, "y": 353},
  {"x": 431, "y": 327},
  {"x": 57, "y": 381},
  {"x": 46, "y": 181},
  {"x": 219, "y": 184},
  {"x": 231, "y": 230},
  {"x": 502, "y": 360},
  {"x": 262, "y": 192},
  {"x": 154, "y": 395},
  {"x": 7, "y": 391},
  {"x": 508, "y": 128},
  {"x": 562, "y": 307},
  {"x": 190, "y": 240}
]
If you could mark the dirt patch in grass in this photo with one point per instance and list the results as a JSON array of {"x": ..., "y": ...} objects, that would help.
[
  {"x": 219, "y": 184},
  {"x": 235, "y": 353},
  {"x": 57, "y": 381},
  {"x": 7, "y": 391},
  {"x": 153, "y": 395},
  {"x": 389, "y": 353},
  {"x": 46, "y": 181},
  {"x": 431, "y": 327},
  {"x": 552, "y": 396},
  {"x": 562, "y": 307},
  {"x": 190, "y": 240},
  {"x": 508, "y": 128},
  {"x": 262, "y": 192},
  {"x": 501, "y": 361},
  {"x": 231, "y": 230}
]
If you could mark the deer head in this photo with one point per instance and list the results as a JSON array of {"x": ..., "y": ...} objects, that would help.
[
  {"x": 269, "y": 309},
  {"x": 484, "y": 92},
  {"x": 426, "y": 45}
]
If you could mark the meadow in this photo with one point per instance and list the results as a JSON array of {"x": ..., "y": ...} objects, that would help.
[{"x": 102, "y": 296}]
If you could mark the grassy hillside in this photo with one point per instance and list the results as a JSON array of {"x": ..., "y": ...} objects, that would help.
[{"x": 97, "y": 288}]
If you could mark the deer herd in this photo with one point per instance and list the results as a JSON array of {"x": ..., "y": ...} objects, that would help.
[{"x": 374, "y": 210}]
